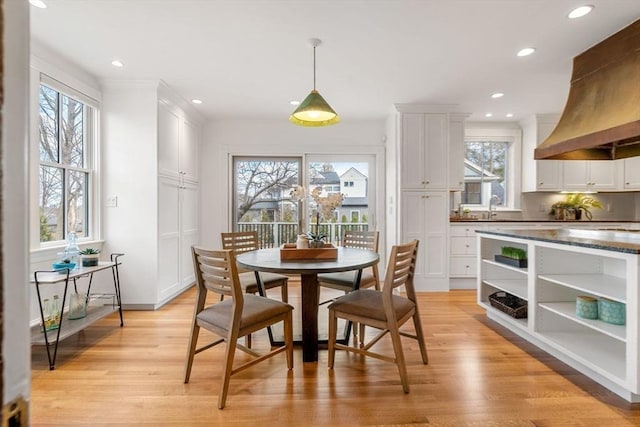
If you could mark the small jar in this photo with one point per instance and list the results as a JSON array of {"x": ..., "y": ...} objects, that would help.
[
  {"x": 302, "y": 242},
  {"x": 586, "y": 307}
]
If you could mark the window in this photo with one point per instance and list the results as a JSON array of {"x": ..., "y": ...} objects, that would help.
[
  {"x": 485, "y": 171},
  {"x": 66, "y": 144},
  {"x": 355, "y": 216},
  {"x": 492, "y": 166}
]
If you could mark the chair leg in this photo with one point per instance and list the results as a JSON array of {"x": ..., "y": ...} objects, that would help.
[
  {"x": 191, "y": 351},
  {"x": 228, "y": 367},
  {"x": 288, "y": 339},
  {"x": 333, "y": 332},
  {"x": 423, "y": 347},
  {"x": 284, "y": 291},
  {"x": 397, "y": 348},
  {"x": 362, "y": 326},
  {"x": 355, "y": 326}
]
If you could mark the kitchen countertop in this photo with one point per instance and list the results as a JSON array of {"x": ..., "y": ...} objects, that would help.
[
  {"x": 453, "y": 221},
  {"x": 610, "y": 240}
]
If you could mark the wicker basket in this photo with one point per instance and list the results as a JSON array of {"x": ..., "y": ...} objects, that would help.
[{"x": 509, "y": 304}]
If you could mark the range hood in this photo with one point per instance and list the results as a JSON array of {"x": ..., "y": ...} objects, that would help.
[{"x": 601, "y": 120}]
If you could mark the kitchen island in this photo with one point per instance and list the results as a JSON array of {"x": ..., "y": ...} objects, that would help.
[{"x": 562, "y": 265}]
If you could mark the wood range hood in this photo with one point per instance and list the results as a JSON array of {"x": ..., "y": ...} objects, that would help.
[{"x": 601, "y": 120}]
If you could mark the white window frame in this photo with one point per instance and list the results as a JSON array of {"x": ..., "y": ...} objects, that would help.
[
  {"x": 513, "y": 137},
  {"x": 65, "y": 84}
]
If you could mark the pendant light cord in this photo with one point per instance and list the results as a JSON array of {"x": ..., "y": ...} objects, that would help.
[{"x": 314, "y": 68}]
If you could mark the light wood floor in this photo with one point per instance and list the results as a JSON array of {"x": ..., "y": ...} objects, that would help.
[{"x": 479, "y": 375}]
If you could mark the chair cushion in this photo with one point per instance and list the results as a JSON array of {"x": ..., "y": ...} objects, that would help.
[
  {"x": 345, "y": 279},
  {"x": 368, "y": 303},
  {"x": 256, "y": 309},
  {"x": 270, "y": 280}
]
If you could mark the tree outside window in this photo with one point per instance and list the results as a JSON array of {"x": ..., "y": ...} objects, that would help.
[
  {"x": 64, "y": 170},
  {"x": 485, "y": 172}
]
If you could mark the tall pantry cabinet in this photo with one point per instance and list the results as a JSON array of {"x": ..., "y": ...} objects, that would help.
[
  {"x": 150, "y": 144},
  {"x": 425, "y": 146}
]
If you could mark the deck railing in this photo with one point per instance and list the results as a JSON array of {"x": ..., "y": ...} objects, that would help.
[{"x": 274, "y": 234}]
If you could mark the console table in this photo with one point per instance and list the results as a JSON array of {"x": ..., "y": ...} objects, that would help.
[{"x": 68, "y": 327}]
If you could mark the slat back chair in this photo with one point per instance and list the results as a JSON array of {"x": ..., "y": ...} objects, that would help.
[
  {"x": 245, "y": 241},
  {"x": 384, "y": 311},
  {"x": 344, "y": 281},
  {"x": 234, "y": 317}
]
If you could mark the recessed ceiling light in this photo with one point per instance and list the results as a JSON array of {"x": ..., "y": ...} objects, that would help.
[
  {"x": 294, "y": 102},
  {"x": 38, "y": 3},
  {"x": 579, "y": 12},
  {"x": 117, "y": 63},
  {"x": 509, "y": 115},
  {"x": 497, "y": 95},
  {"x": 526, "y": 51},
  {"x": 196, "y": 101},
  {"x": 489, "y": 115}
]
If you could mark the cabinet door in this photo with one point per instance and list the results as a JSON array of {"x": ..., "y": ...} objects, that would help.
[
  {"x": 632, "y": 173},
  {"x": 412, "y": 151},
  {"x": 605, "y": 174},
  {"x": 575, "y": 175},
  {"x": 456, "y": 155},
  {"x": 168, "y": 141},
  {"x": 436, "y": 162},
  {"x": 549, "y": 174},
  {"x": 189, "y": 145},
  {"x": 189, "y": 230},
  {"x": 168, "y": 236},
  {"x": 424, "y": 217}
]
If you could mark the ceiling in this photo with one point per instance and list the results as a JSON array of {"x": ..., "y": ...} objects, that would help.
[{"x": 249, "y": 58}]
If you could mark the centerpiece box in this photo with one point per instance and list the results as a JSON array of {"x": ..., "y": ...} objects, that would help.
[{"x": 289, "y": 252}]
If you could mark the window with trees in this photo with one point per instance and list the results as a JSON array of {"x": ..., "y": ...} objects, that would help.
[
  {"x": 66, "y": 140},
  {"x": 485, "y": 172}
]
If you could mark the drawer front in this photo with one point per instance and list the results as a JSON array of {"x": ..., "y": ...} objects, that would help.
[
  {"x": 465, "y": 266},
  {"x": 464, "y": 230},
  {"x": 463, "y": 245}
]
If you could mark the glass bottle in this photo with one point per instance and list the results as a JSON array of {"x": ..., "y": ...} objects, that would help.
[
  {"x": 46, "y": 311},
  {"x": 56, "y": 310},
  {"x": 72, "y": 251}
]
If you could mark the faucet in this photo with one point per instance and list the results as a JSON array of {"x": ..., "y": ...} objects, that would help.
[{"x": 493, "y": 203}]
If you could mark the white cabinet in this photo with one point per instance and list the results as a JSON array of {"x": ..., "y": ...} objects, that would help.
[
  {"x": 424, "y": 151},
  {"x": 424, "y": 217},
  {"x": 557, "y": 274},
  {"x": 178, "y": 228},
  {"x": 178, "y": 140},
  {"x": 632, "y": 173},
  {"x": 585, "y": 175},
  {"x": 462, "y": 251},
  {"x": 456, "y": 151},
  {"x": 539, "y": 175}
]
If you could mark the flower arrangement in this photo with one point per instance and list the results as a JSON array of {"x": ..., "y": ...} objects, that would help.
[
  {"x": 576, "y": 203},
  {"x": 324, "y": 205}
]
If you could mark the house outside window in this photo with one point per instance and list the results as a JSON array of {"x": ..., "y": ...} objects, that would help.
[
  {"x": 66, "y": 168},
  {"x": 485, "y": 172}
]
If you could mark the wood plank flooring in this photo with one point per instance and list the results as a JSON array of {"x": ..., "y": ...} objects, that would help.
[{"x": 479, "y": 375}]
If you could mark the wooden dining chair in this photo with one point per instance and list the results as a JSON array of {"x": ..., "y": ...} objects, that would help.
[
  {"x": 344, "y": 281},
  {"x": 384, "y": 311},
  {"x": 234, "y": 317},
  {"x": 244, "y": 241}
]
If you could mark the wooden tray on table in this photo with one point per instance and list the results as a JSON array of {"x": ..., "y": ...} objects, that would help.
[{"x": 289, "y": 252}]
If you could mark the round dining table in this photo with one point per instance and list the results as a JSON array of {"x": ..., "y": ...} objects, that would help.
[{"x": 268, "y": 260}]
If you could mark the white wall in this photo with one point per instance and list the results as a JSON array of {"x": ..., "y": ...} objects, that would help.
[
  {"x": 222, "y": 139},
  {"x": 129, "y": 168},
  {"x": 16, "y": 339}
]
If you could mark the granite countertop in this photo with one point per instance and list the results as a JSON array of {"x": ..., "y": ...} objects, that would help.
[
  {"x": 610, "y": 240},
  {"x": 464, "y": 220}
]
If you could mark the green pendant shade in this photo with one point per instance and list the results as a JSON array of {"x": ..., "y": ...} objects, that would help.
[{"x": 314, "y": 111}]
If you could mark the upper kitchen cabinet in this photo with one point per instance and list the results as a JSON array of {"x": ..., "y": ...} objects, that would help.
[
  {"x": 539, "y": 175},
  {"x": 178, "y": 139},
  {"x": 592, "y": 175},
  {"x": 424, "y": 151},
  {"x": 632, "y": 173}
]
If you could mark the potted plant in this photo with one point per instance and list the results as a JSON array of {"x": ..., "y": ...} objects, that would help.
[
  {"x": 512, "y": 256},
  {"x": 316, "y": 240},
  {"x": 574, "y": 204},
  {"x": 90, "y": 257}
]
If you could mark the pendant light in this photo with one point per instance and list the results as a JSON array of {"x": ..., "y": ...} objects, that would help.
[{"x": 314, "y": 111}]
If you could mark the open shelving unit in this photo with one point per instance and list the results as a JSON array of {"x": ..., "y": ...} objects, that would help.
[{"x": 557, "y": 274}]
